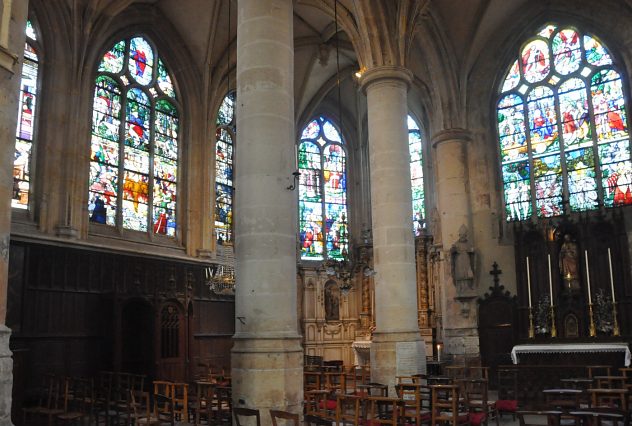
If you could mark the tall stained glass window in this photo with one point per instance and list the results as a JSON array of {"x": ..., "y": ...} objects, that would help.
[
  {"x": 134, "y": 155},
  {"x": 562, "y": 126},
  {"x": 26, "y": 122},
  {"x": 323, "y": 216},
  {"x": 224, "y": 169},
  {"x": 416, "y": 174}
]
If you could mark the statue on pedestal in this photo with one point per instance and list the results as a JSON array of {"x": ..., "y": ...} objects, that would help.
[
  {"x": 568, "y": 263},
  {"x": 463, "y": 264}
]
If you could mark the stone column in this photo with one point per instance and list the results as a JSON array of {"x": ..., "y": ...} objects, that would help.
[
  {"x": 267, "y": 357},
  {"x": 454, "y": 208},
  {"x": 12, "y": 36},
  {"x": 397, "y": 348}
]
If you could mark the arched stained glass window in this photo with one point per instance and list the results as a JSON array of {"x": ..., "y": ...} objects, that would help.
[
  {"x": 562, "y": 126},
  {"x": 322, "y": 162},
  {"x": 224, "y": 169},
  {"x": 416, "y": 175},
  {"x": 134, "y": 155},
  {"x": 26, "y": 122}
]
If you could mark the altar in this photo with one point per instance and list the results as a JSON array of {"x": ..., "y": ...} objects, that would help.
[{"x": 615, "y": 354}]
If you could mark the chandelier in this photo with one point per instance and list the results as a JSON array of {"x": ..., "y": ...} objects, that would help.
[{"x": 220, "y": 279}]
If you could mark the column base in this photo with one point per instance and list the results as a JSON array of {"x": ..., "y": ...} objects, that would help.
[
  {"x": 6, "y": 376},
  {"x": 267, "y": 373},
  {"x": 396, "y": 354}
]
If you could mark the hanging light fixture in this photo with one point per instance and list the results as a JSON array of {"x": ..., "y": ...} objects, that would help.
[{"x": 220, "y": 279}]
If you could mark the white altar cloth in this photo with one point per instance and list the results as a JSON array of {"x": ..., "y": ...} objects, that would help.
[{"x": 570, "y": 348}]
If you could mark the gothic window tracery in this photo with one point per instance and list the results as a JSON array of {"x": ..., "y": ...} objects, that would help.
[
  {"x": 322, "y": 162},
  {"x": 224, "y": 168},
  {"x": 562, "y": 126},
  {"x": 416, "y": 175},
  {"x": 134, "y": 145},
  {"x": 26, "y": 121}
]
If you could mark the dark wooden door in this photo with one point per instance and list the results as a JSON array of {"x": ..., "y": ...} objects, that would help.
[
  {"x": 171, "y": 343},
  {"x": 496, "y": 322},
  {"x": 137, "y": 338}
]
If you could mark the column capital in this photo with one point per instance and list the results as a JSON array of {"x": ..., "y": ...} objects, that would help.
[
  {"x": 385, "y": 72},
  {"x": 446, "y": 135}
]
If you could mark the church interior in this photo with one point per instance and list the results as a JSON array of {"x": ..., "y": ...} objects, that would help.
[{"x": 276, "y": 193}]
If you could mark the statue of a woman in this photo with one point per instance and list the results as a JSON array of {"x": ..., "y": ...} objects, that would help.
[
  {"x": 462, "y": 254},
  {"x": 569, "y": 254}
]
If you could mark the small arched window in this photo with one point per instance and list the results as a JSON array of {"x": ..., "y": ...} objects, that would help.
[
  {"x": 224, "y": 169},
  {"x": 134, "y": 155},
  {"x": 416, "y": 175},
  {"x": 26, "y": 122},
  {"x": 322, "y": 162},
  {"x": 562, "y": 126}
]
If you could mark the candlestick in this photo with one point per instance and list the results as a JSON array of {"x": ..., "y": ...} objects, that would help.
[
  {"x": 529, "y": 282},
  {"x": 550, "y": 280},
  {"x": 611, "y": 280},
  {"x": 588, "y": 280},
  {"x": 553, "y": 328},
  {"x": 591, "y": 328},
  {"x": 531, "y": 328},
  {"x": 615, "y": 328}
]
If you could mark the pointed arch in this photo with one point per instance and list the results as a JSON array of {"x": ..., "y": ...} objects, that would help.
[
  {"x": 134, "y": 146},
  {"x": 322, "y": 163},
  {"x": 562, "y": 127}
]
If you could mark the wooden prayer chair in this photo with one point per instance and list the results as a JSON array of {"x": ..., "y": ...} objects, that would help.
[
  {"x": 383, "y": 410},
  {"x": 241, "y": 412},
  {"x": 352, "y": 380},
  {"x": 335, "y": 381},
  {"x": 180, "y": 398},
  {"x": 455, "y": 371},
  {"x": 312, "y": 380},
  {"x": 275, "y": 415},
  {"x": 222, "y": 413},
  {"x": 50, "y": 401},
  {"x": 416, "y": 409},
  {"x": 347, "y": 410},
  {"x": 481, "y": 409},
  {"x": 507, "y": 401},
  {"x": 205, "y": 402},
  {"x": 78, "y": 400},
  {"x": 611, "y": 382},
  {"x": 562, "y": 399},
  {"x": 373, "y": 389},
  {"x": 478, "y": 372},
  {"x": 610, "y": 398},
  {"x": 539, "y": 418},
  {"x": 446, "y": 406},
  {"x": 142, "y": 414},
  {"x": 319, "y": 407}
]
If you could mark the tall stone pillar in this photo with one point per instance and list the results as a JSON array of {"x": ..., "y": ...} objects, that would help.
[
  {"x": 397, "y": 348},
  {"x": 12, "y": 36},
  {"x": 267, "y": 357},
  {"x": 454, "y": 208}
]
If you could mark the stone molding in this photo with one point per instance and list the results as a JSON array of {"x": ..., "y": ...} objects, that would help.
[
  {"x": 8, "y": 59},
  {"x": 387, "y": 73},
  {"x": 449, "y": 135}
]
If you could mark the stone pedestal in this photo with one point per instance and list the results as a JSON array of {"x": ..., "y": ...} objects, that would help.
[
  {"x": 397, "y": 345},
  {"x": 267, "y": 355}
]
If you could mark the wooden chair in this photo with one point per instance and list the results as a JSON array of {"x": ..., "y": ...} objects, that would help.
[
  {"x": 478, "y": 372},
  {"x": 222, "y": 412},
  {"x": 284, "y": 415},
  {"x": 446, "y": 406},
  {"x": 539, "y": 418},
  {"x": 48, "y": 400},
  {"x": 507, "y": 401},
  {"x": 347, "y": 410},
  {"x": 162, "y": 413},
  {"x": 481, "y": 409},
  {"x": 312, "y": 380},
  {"x": 611, "y": 382},
  {"x": 373, "y": 389},
  {"x": 415, "y": 411},
  {"x": 78, "y": 399},
  {"x": 455, "y": 371},
  {"x": 180, "y": 398},
  {"x": 383, "y": 410},
  {"x": 562, "y": 399},
  {"x": 318, "y": 406},
  {"x": 205, "y": 401},
  {"x": 609, "y": 398},
  {"x": 240, "y": 412}
]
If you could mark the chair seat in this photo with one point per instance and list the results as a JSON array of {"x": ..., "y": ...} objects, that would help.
[
  {"x": 510, "y": 405},
  {"x": 477, "y": 419}
]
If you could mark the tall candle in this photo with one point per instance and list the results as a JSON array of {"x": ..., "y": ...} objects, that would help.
[
  {"x": 611, "y": 280},
  {"x": 295, "y": 157},
  {"x": 529, "y": 281},
  {"x": 550, "y": 280},
  {"x": 588, "y": 277}
]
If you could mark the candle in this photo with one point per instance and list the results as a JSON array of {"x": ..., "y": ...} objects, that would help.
[
  {"x": 550, "y": 280},
  {"x": 438, "y": 352},
  {"x": 611, "y": 280},
  {"x": 588, "y": 277},
  {"x": 295, "y": 157},
  {"x": 528, "y": 281}
]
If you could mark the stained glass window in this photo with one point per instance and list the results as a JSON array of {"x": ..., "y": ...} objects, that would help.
[
  {"x": 134, "y": 146},
  {"x": 224, "y": 169},
  {"x": 322, "y": 162},
  {"x": 416, "y": 175},
  {"x": 26, "y": 122},
  {"x": 562, "y": 126}
]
